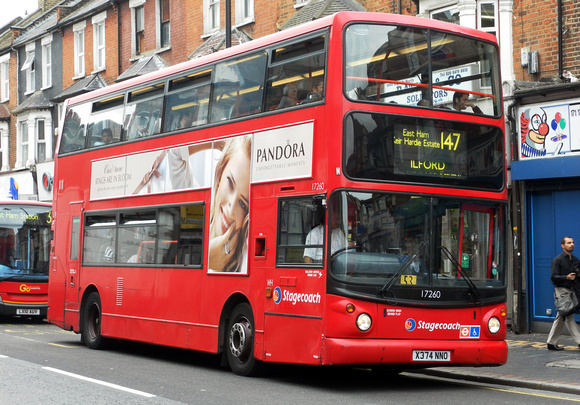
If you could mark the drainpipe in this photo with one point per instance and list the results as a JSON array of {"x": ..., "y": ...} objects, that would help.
[
  {"x": 560, "y": 39},
  {"x": 519, "y": 318},
  {"x": 119, "y": 66},
  {"x": 228, "y": 23}
]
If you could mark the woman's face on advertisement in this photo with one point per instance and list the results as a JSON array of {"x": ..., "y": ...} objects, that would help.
[{"x": 232, "y": 196}]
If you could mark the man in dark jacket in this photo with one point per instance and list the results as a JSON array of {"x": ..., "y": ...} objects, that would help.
[{"x": 564, "y": 269}]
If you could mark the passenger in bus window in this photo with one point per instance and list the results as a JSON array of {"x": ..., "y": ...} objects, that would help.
[
  {"x": 461, "y": 102},
  {"x": 186, "y": 119},
  {"x": 142, "y": 122},
  {"x": 228, "y": 228},
  {"x": 106, "y": 137},
  {"x": 316, "y": 94},
  {"x": 289, "y": 96}
]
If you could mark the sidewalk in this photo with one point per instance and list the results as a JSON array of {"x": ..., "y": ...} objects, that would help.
[{"x": 530, "y": 365}]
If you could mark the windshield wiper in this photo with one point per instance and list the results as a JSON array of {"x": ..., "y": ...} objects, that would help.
[
  {"x": 473, "y": 290},
  {"x": 403, "y": 267}
]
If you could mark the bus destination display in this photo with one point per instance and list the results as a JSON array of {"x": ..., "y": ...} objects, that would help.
[{"x": 429, "y": 151}]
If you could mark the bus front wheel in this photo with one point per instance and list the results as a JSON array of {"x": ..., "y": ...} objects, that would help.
[
  {"x": 91, "y": 327},
  {"x": 240, "y": 341}
]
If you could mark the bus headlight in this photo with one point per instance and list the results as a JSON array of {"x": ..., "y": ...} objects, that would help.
[
  {"x": 364, "y": 322},
  {"x": 493, "y": 325}
]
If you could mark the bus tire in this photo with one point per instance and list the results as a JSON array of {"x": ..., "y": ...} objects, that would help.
[
  {"x": 240, "y": 341},
  {"x": 91, "y": 327}
]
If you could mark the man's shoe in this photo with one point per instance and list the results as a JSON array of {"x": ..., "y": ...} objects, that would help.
[{"x": 552, "y": 347}]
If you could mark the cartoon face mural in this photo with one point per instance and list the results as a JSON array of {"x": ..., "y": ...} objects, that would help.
[
  {"x": 542, "y": 131},
  {"x": 533, "y": 133}
]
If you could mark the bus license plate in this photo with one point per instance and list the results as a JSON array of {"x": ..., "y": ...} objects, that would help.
[
  {"x": 431, "y": 355},
  {"x": 21, "y": 311}
]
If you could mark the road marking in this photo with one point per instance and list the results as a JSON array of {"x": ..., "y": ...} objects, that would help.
[
  {"x": 40, "y": 341},
  {"x": 3, "y": 357},
  {"x": 106, "y": 384},
  {"x": 65, "y": 346},
  {"x": 536, "y": 345},
  {"x": 533, "y": 394}
]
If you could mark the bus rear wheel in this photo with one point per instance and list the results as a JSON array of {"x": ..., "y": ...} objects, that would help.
[
  {"x": 91, "y": 326},
  {"x": 240, "y": 341}
]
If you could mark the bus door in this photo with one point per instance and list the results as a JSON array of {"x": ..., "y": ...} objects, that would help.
[
  {"x": 476, "y": 230},
  {"x": 64, "y": 272},
  {"x": 293, "y": 316},
  {"x": 72, "y": 267}
]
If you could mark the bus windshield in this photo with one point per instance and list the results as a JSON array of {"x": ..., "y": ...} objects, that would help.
[
  {"x": 414, "y": 240},
  {"x": 420, "y": 67},
  {"x": 25, "y": 237}
]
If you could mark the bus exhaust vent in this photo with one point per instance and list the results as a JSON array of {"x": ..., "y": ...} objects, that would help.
[{"x": 119, "y": 291}]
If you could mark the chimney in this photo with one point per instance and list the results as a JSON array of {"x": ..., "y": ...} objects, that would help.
[{"x": 45, "y": 5}]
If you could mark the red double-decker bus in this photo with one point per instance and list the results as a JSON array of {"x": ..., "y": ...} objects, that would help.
[
  {"x": 331, "y": 194},
  {"x": 25, "y": 237}
]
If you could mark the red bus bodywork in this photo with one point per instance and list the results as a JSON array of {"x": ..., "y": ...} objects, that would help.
[
  {"x": 23, "y": 287},
  {"x": 294, "y": 320}
]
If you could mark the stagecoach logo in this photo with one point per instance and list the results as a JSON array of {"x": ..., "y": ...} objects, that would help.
[
  {"x": 294, "y": 297},
  {"x": 277, "y": 295},
  {"x": 465, "y": 331}
]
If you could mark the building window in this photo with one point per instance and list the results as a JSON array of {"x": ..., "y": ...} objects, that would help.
[
  {"x": 211, "y": 16},
  {"x": 47, "y": 63},
  {"x": 139, "y": 29},
  {"x": 244, "y": 11},
  {"x": 29, "y": 69},
  {"x": 164, "y": 23},
  {"x": 40, "y": 142},
  {"x": 5, "y": 77},
  {"x": 448, "y": 14},
  {"x": 23, "y": 142},
  {"x": 99, "y": 41},
  {"x": 487, "y": 17},
  {"x": 79, "y": 49}
]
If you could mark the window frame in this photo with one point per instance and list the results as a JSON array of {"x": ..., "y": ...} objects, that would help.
[
  {"x": 146, "y": 219},
  {"x": 495, "y": 28},
  {"x": 163, "y": 23},
  {"x": 46, "y": 62},
  {"x": 444, "y": 9},
  {"x": 211, "y": 12},
  {"x": 5, "y": 77},
  {"x": 40, "y": 137},
  {"x": 29, "y": 68},
  {"x": 283, "y": 227},
  {"x": 79, "y": 49},
  {"x": 23, "y": 142},
  {"x": 243, "y": 15},
  {"x": 99, "y": 42}
]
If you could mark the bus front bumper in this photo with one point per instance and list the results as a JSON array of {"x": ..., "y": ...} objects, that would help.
[{"x": 414, "y": 353}]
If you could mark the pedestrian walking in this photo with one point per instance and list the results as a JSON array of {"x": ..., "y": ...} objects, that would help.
[{"x": 564, "y": 275}]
